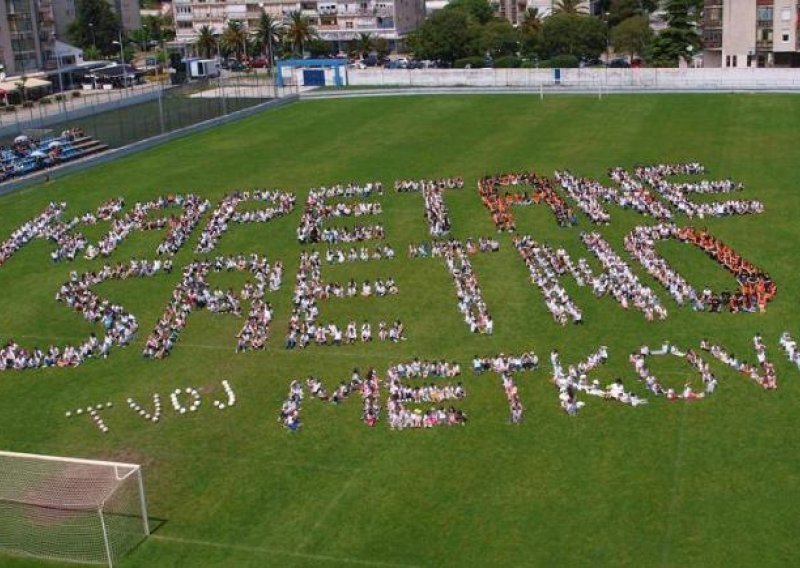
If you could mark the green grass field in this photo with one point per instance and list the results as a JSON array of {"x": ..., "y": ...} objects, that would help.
[{"x": 667, "y": 484}]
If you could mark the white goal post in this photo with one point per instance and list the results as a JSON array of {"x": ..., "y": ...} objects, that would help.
[{"x": 70, "y": 509}]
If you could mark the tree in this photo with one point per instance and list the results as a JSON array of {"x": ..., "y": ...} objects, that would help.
[
  {"x": 206, "y": 42},
  {"x": 573, "y": 34},
  {"x": 532, "y": 20},
  {"x": 382, "y": 47},
  {"x": 319, "y": 47},
  {"x": 499, "y": 37},
  {"x": 91, "y": 53},
  {"x": 159, "y": 28},
  {"x": 621, "y": 10},
  {"x": 364, "y": 44},
  {"x": 20, "y": 85},
  {"x": 633, "y": 36},
  {"x": 141, "y": 37},
  {"x": 569, "y": 7},
  {"x": 680, "y": 38},
  {"x": 95, "y": 24},
  {"x": 446, "y": 36},
  {"x": 234, "y": 38},
  {"x": 268, "y": 35},
  {"x": 480, "y": 10},
  {"x": 299, "y": 30}
]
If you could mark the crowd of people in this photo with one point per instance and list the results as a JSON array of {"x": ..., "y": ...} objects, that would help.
[
  {"x": 69, "y": 243},
  {"x": 590, "y": 195},
  {"x": 26, "y": 153},
  {"x": 502, "y": 363},
  {"x": 193, "y": 292},
  {"x": 363, "y": 254},
  {"x": 574, "y": 379},
  {"x": 536, "y": 190},
  {"x": 368, "y": 386},
  {"x": 545, "y": 267},
  {"x": 402, "y": 394},
  {"x": 654, "y": 385},
  {"x": 763, "y": 372},
  {"x": 473, "y": 246},
  {"x": 119, "y": 326},
  {"x": 676, "y": 193},
  {"x": 436, "y": 212},
  {"x": 515, "y": 408},
  {"x": 424, "y": 369},
  {"x": 227, "y": 212},
  {"x": 30, "y": 230},
  {"x": 139, "y": 218},
  {"x": 318, "y": 209},
  {"x": 619, "y": 280},
  {"x": 309, "y": 288},
  {"x": 789, "y": 346},
  {"x": 756, "y": 288},
  {"x": 470, "y": 298}
]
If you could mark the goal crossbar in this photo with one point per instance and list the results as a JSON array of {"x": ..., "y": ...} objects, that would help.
[{"x": 70, "y": 509}]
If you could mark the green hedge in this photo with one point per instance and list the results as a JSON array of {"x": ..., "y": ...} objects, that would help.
[
  {"x": 508, "y": 62},
  {"x": 561, "y": 62},
  {"x": 474, "y": 62}
]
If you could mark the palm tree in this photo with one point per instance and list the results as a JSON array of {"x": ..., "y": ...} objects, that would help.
[
  {"x": 268, "y": 35},
  {"x": 235, "y": 38},
  {"x": 364, "y": 44},
  {"x": 299, "y": 30},
  {"x": 569, "y": 7},
  {"x": 206, "y": 41},
  {"x": 532, "y": 20}
]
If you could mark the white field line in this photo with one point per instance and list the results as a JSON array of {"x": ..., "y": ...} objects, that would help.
[
  {"x": 278, "y": 552},
  {"x": 328, "y": 508}
]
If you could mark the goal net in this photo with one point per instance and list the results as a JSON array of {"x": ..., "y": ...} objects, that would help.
[{"x": 70, "y": 509}]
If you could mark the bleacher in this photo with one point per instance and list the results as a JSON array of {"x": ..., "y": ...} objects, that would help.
[{"x": 28, "y": 155}]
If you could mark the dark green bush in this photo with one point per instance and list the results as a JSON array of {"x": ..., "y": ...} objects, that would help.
[{"x": 474, "y": 62}]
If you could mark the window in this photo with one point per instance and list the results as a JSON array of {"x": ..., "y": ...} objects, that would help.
[
  {"x": 764, "y": 14},
  {"x": 786, "y": 14},
  {"x": 734, "y": 61},
  {"x": 727, "y": 61},
  {"x": 785, "y": 37}
]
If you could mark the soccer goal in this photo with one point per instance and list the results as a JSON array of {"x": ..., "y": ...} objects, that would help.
[{"x": 70, "y": 509}]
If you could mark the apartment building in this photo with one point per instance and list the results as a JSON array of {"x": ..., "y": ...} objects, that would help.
[
  {"x": 751, "y": 33},
  {"x": 30, "y": 31},
  {"x": 27, "y": 39},
  {"x": 334, "y": 20}
]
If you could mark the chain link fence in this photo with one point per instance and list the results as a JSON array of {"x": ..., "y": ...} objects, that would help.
[{"x": 122, "y": 116}]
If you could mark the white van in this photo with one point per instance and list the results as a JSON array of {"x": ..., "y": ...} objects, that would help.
[{"x": 203, "y": 68}]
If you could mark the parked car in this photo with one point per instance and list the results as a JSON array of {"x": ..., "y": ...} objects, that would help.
[
  {"x": 259, "y": 62},
  {"x": 619, "y": 63}
]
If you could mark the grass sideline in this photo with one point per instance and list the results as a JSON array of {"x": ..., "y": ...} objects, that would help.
[{"x": 714, "y": 483}]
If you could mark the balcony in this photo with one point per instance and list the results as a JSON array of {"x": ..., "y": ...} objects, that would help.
[
  {"x": 764, "y": 45},
  {"x": 712, "y": 38}
]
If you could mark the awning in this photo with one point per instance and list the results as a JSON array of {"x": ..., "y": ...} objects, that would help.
[{"x": 32, "y": 83}]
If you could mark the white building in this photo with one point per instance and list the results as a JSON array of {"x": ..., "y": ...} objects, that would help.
[
  {"x": 334, "y": 20},
  {"x": 751, "y": 33}
]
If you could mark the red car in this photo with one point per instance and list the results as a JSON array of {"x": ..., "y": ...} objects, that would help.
[{"x": 259, "y": 62}]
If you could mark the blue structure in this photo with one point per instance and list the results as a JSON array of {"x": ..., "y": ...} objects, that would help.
[{"x": 313, "y": 70}]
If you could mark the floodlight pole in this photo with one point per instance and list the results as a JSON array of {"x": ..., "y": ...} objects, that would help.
[{"x": 60, "y": 78}]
